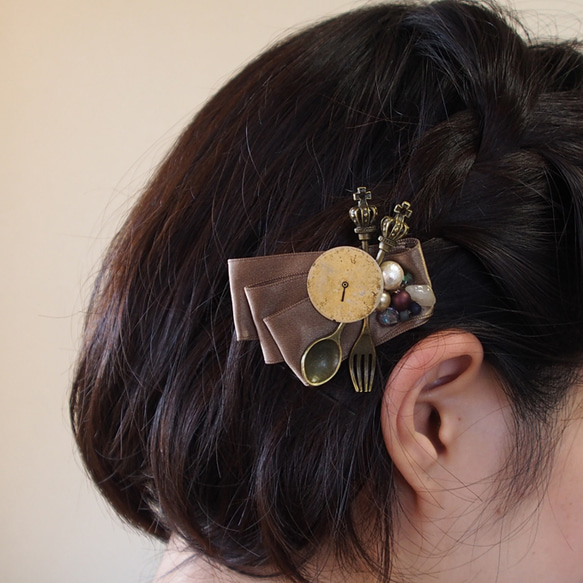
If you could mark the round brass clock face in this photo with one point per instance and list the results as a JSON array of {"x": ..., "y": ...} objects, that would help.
[{"x": 345, "y": 284}]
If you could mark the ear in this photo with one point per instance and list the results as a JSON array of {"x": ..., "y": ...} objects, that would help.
[{"x": 445, "y": 418}]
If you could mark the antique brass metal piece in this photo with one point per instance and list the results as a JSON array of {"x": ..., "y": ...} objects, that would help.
[
  {"x": 364, "y": 216},
  {"x": 345, "y": 284},
  {"x": 321, "y": 360},
  {"x": 393, "y": 228}
]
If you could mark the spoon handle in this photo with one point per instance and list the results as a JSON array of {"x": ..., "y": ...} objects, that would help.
[{"x": 336, "y": 336}]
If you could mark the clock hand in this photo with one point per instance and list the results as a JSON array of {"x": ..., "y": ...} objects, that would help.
[{"x": 344, "y": 286}]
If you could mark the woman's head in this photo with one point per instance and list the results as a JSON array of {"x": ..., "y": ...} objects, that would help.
[{"x": 186, "y": 430}]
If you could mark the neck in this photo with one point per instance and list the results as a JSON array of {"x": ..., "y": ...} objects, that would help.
[{"x": 181, "y": 565}]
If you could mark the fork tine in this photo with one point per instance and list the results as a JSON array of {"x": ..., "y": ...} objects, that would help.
[
  {"x": 366, "y": 373},
  {"x": 362, "y": 361},
  {"x": 351, "y": 362},
  {"x": 358, "y": 372},
  {"x": 371, "y": 361},
  {"x": 359, "y": 359}
]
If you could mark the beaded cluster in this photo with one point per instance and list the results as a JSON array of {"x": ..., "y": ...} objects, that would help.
[{"x": 401, "y": 298}]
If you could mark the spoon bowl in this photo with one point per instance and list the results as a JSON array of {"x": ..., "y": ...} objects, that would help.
[{"x": 321, "y": 360}]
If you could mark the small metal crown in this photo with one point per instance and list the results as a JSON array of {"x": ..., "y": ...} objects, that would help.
[
  {"x": 393, "y": 229},
  {"x": 364, "y": 216}
]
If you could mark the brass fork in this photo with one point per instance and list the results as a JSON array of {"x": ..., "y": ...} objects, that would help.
[{"x": 362, "y": 361}]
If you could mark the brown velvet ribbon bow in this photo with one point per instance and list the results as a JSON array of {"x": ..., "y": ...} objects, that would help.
[{"x": 271, "y": 304}]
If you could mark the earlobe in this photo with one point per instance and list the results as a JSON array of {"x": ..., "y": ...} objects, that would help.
[{"x": 435, "y": 393}]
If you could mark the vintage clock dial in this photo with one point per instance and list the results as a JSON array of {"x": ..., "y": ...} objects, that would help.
[{"x": 345, "y": 284}]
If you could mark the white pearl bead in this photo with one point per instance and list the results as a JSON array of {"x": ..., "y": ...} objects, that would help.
[
  {"x": 422, "y": 294},
  {"x": 392, "y": 275},
  {"x": 384, "y": 302}
]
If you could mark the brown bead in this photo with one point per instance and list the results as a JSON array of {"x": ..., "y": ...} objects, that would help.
[{"x": 400, "y": 301}]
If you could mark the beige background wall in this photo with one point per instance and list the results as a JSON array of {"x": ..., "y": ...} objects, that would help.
[{"x": 93, "y": 94}]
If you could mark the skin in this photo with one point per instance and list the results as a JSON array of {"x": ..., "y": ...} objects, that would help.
[
  {"x": 447, "y": 426},
  {"x": 456, "y": 529}
]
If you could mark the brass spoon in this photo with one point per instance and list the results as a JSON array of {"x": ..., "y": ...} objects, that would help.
[{"x": 321, "y": 360}]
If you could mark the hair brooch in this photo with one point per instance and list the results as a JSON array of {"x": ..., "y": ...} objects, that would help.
[{"x": 313, "y": 310}]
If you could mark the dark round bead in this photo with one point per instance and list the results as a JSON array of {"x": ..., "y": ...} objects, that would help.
[
  {"x": 389, "y": 317},
  {"x": 404, "y": 315},
  {"x": 414, "y": 308},
  {"x": 400, "y": 301}
]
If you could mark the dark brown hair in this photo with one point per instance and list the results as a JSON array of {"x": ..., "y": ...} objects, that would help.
[{"x": 185, "y": 429}]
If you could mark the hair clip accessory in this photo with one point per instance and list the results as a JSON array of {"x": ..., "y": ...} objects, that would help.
[{"x": 313, "y": 310}]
